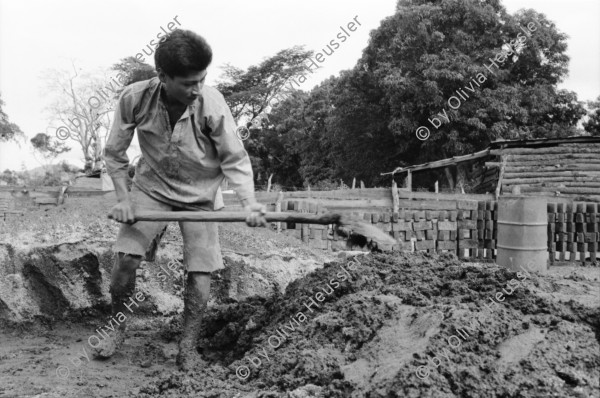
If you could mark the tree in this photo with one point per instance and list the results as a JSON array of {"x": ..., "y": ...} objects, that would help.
[
  {"x": 592, "y": 125},
  {"x": 8, "y": 131},
  {"x": 430, "y": 51},
  {"x": 252, "y": 92},
  {"x": 48, "y": 147},
  {"x": 83, "y": 103},
  {"x": 133, "y": 71}
]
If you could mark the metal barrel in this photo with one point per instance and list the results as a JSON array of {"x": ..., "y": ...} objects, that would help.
[{"x": 523, "y": 234}]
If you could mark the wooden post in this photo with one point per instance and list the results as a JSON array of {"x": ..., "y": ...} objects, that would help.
[
  {"x": 354, "y": 183},
  {"x": 395, "y": 198},
  {"x": 501, "y": 175},
  {"x": 408, "y": 181},
  {"x": 278, "y": 208},
  {"x": 269, "y": 183},
  {"x": 436, "y": 187},
  {"x": 362, "y": 185}
]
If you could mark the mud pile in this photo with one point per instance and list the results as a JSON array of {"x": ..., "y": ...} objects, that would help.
[{"x": 402, "y": 326}]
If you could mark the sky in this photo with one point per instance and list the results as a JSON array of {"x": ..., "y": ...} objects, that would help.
[{"x": 37, "y": 35}]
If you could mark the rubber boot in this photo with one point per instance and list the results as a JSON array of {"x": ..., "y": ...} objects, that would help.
[
  {"x": 122, "y": 289},
  {"x": 195, "y": 299}
]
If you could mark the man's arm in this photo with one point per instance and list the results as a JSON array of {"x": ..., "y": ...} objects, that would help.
[
  {"x": 115, "y": 156},
  {"x": 236, "y": 165}
]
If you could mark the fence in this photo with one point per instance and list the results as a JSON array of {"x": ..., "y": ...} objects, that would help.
[{"x": 422, "y": 221}]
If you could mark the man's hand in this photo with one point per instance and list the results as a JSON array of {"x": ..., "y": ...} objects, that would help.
[
  {"x": 123, "y": 212},
  {"x": 257, "y": 214}
]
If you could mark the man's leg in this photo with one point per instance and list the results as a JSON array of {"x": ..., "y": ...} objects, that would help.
[
  {"x": 201, "y": 255},
  {"x": 122, "y": 287},
  {"x": 195, "y": 299}
]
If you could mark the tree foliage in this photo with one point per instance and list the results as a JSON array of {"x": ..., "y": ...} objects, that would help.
[
  {"x": 592, "y": 125},
  {"x": 8, "y": 131},
  {"x": 418, "y": 58},
  {"x": 250, "y": 93}
]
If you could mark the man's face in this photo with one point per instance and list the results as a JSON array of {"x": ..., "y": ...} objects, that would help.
[{"x": 183, "y": 89}]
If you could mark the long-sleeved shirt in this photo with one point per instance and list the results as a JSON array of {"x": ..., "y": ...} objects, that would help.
[{"x": 185, "y": 167}]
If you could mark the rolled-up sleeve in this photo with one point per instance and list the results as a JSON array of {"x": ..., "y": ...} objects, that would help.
[
  {"x": 119, "y": 139},
  {"x": 235, "y": 162}
]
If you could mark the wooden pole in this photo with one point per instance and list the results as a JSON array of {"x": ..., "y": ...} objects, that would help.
[
  {"x": 278, "y": 208},
  {"x": 395, "y": 198},
  {"x": 501, "y": 175},
  {"x": 269, "y": 183},
  {"x": 362, "y": 185},
  {"x": 408, "y": 180},
  {"x": 354, "y": 183},
  {"x": 437, "y": 187}
]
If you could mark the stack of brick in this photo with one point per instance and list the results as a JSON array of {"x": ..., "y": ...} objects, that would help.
[{"x": 573, "y": 228}]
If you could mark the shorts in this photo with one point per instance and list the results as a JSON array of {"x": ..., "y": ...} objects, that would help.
[{"x": 201, "y": 248}]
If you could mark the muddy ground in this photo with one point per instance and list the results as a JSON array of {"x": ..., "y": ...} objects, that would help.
[{"x": 298, "y": 323}]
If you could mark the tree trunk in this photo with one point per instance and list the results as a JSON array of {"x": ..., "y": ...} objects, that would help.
[{"x": 449, "y": 177}]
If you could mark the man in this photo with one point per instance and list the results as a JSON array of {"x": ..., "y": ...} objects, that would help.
[{"x": 188, "y": 142}]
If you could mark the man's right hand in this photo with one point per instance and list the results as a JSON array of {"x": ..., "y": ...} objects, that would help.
[{"x": 123, "y": 212}]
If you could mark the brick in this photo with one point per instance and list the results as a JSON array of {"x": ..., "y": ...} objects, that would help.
[
  {"x": 452, "y": 214},
  {"x": 399, "y": 235},
  {"x": 569, "y": 217},
  {"x": 403, "y": 246},
  {"x": 560, "y": 217},
  {"x": 420, "y": 235},
  {"x": 551, "y": 217},
  {"x": 467, "y": 205},
  {"x": 453, "y": 235},
  {"x": 488, "y": 215},
  {"x": 422, "y": 225},
  {"x": 443, "y": 235},
  {"x": 551, "y": 207},
  {"x": 446, "y": 245},
  {"x": 467, "y": 224},
  {"x": 418, "y": 215},
  {"x": 468, "y": 244},
  {"x": 386, "y": 217},
  {"x": 395, "y": 217},
  {"x": 425, "y": 244},
  {"x": 589, "y": 237},
  {"x": 489, "y": 244},
  {"x": 402, "y": 226},
  {"x": 432, "y": 234},
  {"x": 447, "y": 225},
  {"x": 443, "y": 215},
  {"x": 480, "y": 214},
  {"x": 481, "y": 205},
  {"x": 580, "y": 217}
]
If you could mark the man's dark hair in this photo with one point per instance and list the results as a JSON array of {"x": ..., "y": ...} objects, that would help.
[{"x": 181, "y": 53}]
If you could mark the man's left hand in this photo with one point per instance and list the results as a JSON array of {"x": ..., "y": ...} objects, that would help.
[{"x": 257, "y": 215}]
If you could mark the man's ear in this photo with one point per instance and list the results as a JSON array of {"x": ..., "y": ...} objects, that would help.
[{"x": 162, "y": 76}]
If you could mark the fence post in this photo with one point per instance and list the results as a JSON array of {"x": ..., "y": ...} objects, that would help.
[
  {"x": 395, "y": 198},
  {"x": 278, "y": 208}
]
